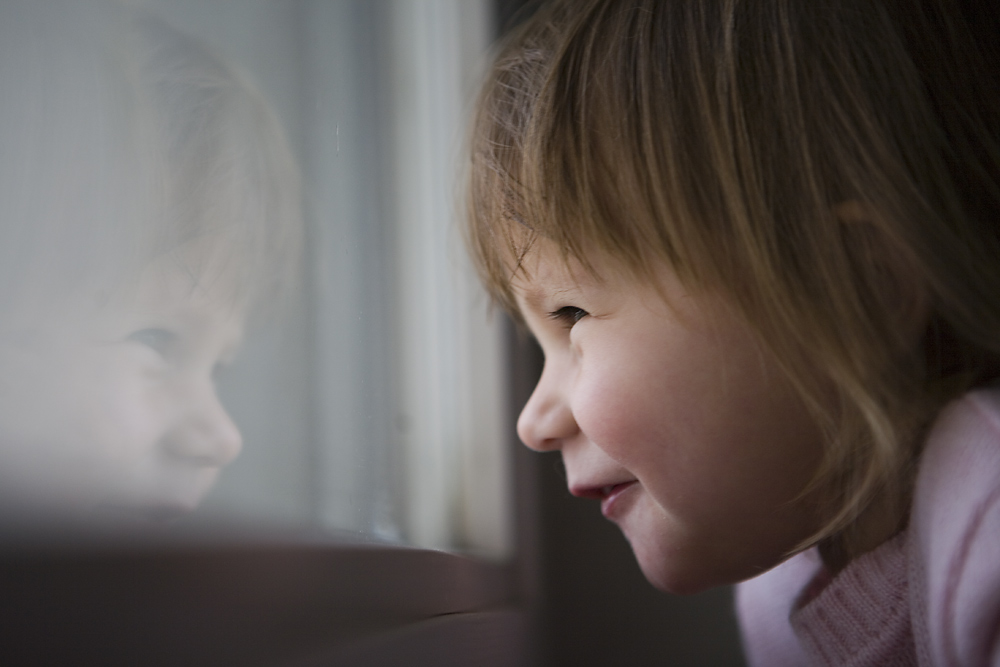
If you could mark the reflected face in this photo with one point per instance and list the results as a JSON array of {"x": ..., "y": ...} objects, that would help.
[
  {"x": 674, "y": 417},
  {"x": 112, "y": 408}
]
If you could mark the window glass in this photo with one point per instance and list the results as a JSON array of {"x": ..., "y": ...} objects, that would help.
[{"x": 236, "y": 292}]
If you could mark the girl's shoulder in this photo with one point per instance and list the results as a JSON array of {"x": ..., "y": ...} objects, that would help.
[
  {"x": 945, "y": 568},
  {"x": 955, "y": 534},
  {"x": 959, "y": 472}
]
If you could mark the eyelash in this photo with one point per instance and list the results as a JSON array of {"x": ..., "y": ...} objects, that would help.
[
  {"x": 158, "y": 340},
  {"x": 568, "y": 315}
]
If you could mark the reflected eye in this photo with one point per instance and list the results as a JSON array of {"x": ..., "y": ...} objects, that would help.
[
  {"x": 158, "y": 340},
  {"x": 568, "y": 315}
]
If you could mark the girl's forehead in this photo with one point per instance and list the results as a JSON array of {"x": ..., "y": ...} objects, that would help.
[{"x": 545, "y": 266}]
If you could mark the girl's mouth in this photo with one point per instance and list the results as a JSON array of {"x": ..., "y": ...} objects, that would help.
[{"x": 608, "y": 494}]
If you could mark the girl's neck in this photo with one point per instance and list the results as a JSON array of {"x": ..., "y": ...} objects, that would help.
[{"x": 884, "y": 518}]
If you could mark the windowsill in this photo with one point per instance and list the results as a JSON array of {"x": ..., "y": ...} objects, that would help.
[{"x": 241, "y": 603}]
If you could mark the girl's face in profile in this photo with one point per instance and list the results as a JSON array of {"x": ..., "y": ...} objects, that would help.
[
  {"x": 674, "y": 417},
  {"x": 113, "y": 408}
]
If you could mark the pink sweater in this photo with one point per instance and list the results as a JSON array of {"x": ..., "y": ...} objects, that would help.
[{"x": 929, "y": 596}]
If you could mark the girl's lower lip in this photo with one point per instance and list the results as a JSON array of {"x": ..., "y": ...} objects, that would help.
[{"x": 611, "y": 501}]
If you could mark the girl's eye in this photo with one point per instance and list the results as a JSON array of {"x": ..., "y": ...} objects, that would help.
[
  {"x": 158, "y": 340},
  {"x": 568, "y": 315}
]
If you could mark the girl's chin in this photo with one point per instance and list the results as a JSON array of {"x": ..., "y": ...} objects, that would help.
[
  {"x": 667, "y": 562},
  {"x": 669, "y": 575}
]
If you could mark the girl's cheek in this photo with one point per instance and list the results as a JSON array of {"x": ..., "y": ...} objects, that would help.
[{"x": 606, "y": 412}]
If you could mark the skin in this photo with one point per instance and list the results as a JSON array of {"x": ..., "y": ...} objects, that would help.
[
  {"x": 665, "y": 407},
  {"x": 111, "y": 407}
]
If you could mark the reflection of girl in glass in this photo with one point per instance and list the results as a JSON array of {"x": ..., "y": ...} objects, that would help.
[{"x": 147, "y": 201}]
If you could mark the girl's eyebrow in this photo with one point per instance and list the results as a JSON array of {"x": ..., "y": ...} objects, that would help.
[
  {"x": 532, "y": 296},
  {"x": 535, "y": 297}
]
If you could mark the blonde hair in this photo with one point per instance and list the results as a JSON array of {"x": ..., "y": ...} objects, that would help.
[
  {"x": 125, "y": 139},
  {"x": 726, "y": 138}
]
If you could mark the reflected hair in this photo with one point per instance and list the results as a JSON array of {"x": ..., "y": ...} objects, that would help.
[
  {"x": 125, "y": 139},
  {"x": 731, "y": 139}
]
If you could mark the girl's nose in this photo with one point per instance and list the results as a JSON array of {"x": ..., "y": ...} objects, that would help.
[
  {"x": 204, "y": 433},
  {"x": 547, "y": 420}
]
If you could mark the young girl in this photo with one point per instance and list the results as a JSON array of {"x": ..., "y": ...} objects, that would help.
[
  {"x": 147, "y": 201},
  {"x": 758, "y": 243}
]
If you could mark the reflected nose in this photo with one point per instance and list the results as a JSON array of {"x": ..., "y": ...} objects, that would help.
[
  {"x": 204, "y": 433},
  {"x": 547, "y": 420}
]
